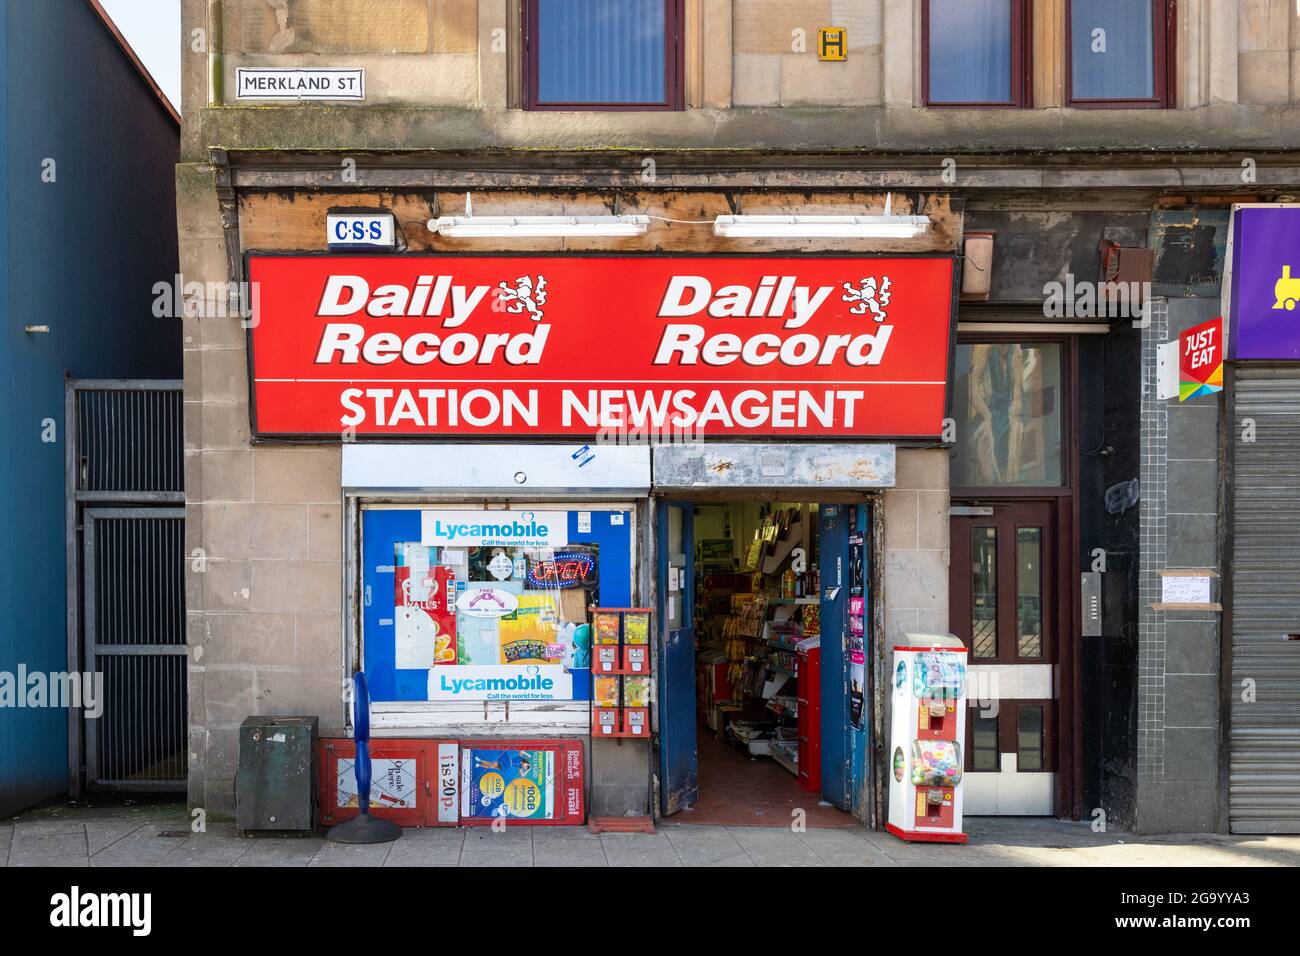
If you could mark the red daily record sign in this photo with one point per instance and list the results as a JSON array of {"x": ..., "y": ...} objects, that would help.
[{"x": 600, "y": 346}]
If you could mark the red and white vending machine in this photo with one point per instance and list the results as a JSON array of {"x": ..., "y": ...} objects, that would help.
[{"x": 925, "y": 740}]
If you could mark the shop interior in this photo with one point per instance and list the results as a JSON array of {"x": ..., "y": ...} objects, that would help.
[{"x": 757, "y": 608}]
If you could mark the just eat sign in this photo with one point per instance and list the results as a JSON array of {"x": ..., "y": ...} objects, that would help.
[{"x": 1200, "y": 360}]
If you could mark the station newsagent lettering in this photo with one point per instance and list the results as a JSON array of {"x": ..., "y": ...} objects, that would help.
[{"x": 427, "y": 346}]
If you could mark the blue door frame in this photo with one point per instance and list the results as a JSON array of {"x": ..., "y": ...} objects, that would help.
[
  {"x": 845, "y": 573},
  {"x": 834, "y": 548},
  {"x": 845, "y": 750},
  {"x": 678, "y": 769}
]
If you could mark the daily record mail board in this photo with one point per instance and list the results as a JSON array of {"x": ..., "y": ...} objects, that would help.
[{"x": 587, "y": 345}]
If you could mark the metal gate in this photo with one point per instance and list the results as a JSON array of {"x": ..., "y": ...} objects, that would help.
[
  {"x": 1264, "y": 782},
  {"x": 126, "y": 584}
]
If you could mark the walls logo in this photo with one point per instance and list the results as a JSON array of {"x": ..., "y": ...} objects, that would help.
[{"x": 76, "y": 909}]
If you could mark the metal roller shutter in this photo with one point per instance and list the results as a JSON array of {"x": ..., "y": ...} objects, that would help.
[{"x": 1264, "y": 791}]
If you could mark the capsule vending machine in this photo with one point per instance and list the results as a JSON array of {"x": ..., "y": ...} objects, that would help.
[{"x": 925, "y": 741}]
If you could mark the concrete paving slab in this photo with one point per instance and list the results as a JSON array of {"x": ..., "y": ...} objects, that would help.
[
  {"x": 484, "y": 846},
  {"x": 207, "y": 849},
  {"x": 63, "y": 848},
  {"x": 639, "y": 849},
  {"x": 775, "y": 847},
  {"x": 844, "y": 848},
  {"x": 567, "y": 846},
  {"x": 431, "y": 846},
  {"x": 698, "y": 845},
  {"x": 350, "y": 854},
  {"x": 142, "y": 846},
  {"x": 280, "y": 851}
]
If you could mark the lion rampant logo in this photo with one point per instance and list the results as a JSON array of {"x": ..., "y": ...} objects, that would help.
[
  {"x": 869, "y": 297},
  {"x": 526, "y": 296}
]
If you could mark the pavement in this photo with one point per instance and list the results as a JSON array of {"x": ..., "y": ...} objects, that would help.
[{"x": 160, "y": 835}]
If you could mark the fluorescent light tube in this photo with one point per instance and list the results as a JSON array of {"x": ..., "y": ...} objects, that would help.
[
  {"x": 474, "y": 227},
  {"x": 821, "y": 227}
]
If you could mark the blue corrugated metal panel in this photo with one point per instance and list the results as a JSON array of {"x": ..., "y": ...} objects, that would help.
[{"x": 81, "y": 254}]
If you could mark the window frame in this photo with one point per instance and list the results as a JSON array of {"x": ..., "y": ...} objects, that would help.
[
  {"x": 1164, "y": 43},
  {"x": 674, "y": 65},
  {"x": 1022, "y": 36}
]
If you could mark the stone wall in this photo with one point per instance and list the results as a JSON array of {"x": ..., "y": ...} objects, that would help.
[
  {"x": 264, "y": 533},
  {"x": 743, "y": 53},
  {"x": 422, "y": 52},
  {"x": 916, "y": 545}
]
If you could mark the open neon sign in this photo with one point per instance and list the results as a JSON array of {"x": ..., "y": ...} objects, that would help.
[{"x": 566, "y": 570}]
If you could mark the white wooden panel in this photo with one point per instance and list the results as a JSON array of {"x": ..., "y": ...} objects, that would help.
[{"x": 514, "y": 468}]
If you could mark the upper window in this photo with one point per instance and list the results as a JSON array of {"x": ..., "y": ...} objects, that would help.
[
  {"x": 603, "y": 54},
  {"x": 975, "y": 52},
  {"x": 1118, "y": 51}
]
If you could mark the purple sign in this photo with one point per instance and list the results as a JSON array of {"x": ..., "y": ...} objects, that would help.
[{"x": 1265, "y": 294}]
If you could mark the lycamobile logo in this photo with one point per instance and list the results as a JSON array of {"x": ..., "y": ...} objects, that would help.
[
  {"x": 460, "y": 685},
  {"x": 509, "y": 529}
]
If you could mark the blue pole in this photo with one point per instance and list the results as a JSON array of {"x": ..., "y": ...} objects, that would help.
[
  {"x": 363, "y": 828},
  {"x": 361, "y": 734}
]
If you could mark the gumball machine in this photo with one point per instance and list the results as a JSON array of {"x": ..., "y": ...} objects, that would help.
[{"x": 926, "y": 734}]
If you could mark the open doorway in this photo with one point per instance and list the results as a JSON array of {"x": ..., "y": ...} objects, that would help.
[{"x": 749, "y": 595}]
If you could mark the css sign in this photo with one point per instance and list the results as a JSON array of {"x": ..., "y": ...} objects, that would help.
[{"x": 360, "y": 229}]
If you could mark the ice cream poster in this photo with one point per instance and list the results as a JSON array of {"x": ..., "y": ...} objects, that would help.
[{"x": 512, "y": 784}]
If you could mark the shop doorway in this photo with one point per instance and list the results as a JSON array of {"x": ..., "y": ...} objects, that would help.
[
  {"x": 1004, "y": 585},
  {"x": 763, "y": 615}
]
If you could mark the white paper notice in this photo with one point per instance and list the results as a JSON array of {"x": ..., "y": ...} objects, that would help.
[
  {"x": 584, "y": 522},
  {"x": 416, "y": 557},
  {"x": 416, "y": 638},
  {"x": 1185, "y": 590}
]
